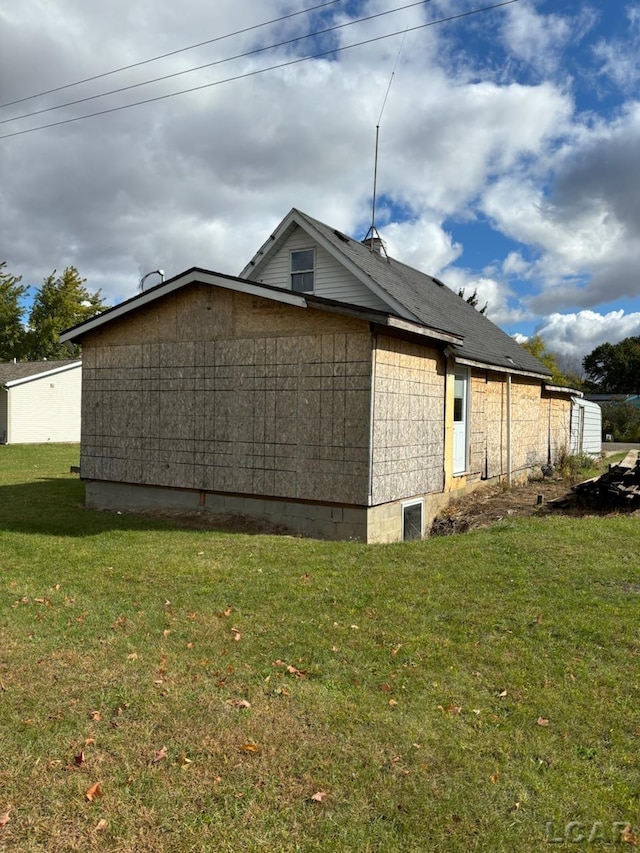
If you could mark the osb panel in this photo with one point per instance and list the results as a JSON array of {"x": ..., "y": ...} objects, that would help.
[
  {"x": 538, "y": 425},
  {"x": 408, "y": 420},
  {"x": 190, "y": 395},
  {"x": 206, "y": 313}
]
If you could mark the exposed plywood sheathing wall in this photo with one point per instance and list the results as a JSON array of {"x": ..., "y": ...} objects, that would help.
[
  {"x": 539, "y": 424},
  {"x": 215, "y": 390},
  {"x": 408, "y": 420}
]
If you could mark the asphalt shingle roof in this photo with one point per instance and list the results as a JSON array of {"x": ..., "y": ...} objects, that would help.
[
  {"x": 10, "y": 371},
  {"x": 434, "y": 304}
]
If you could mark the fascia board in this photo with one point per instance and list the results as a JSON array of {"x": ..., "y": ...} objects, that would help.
[
  {"x": 270, "y": 246},
  {"x": 562, "y": 389},
  {"x": 498, "y": 368}
]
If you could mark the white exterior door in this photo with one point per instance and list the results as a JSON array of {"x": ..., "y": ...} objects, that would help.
[{"x": 460, "y": 418}]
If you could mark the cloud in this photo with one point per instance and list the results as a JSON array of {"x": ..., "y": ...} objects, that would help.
[
  {"x": 619, "y": 58},
  {"x": 584, "y": 221},
  {"x": 482, "y": 120},
  {"x": 538, "y": 39},
  {"x": 495, "y": 294},
  {"x": 578, "y": 334}
]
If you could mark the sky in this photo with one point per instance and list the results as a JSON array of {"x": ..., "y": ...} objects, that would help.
[{"x": 508, "y": 161}]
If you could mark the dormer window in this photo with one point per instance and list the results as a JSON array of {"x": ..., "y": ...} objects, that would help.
[{"x": 302, "y": 267}]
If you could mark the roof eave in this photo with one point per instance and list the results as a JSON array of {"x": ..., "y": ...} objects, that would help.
[
  {"x": 497, "y": 368},
  {"x": 562, "y": 389}
]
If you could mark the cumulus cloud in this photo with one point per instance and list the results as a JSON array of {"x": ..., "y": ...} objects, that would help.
[
  {"x": 578, "y": 334},
  {"x": 585, "y": 226},
  {"x": 203, "y": 178}
]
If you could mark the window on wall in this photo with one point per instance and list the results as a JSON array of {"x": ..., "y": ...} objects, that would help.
[
  {"x": 412, "y": 521},
  {"x": 302, "y": 269}
]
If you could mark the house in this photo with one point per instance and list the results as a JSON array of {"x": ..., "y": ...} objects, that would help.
[
  {"x": 40, "y": 401},
  {"x": 586, "y": 427},
  {"x": 328, "y": 388}
]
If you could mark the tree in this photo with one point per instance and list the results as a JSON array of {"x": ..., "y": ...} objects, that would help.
[
  {"x": 12, "y": 332},
  {"x": 473, "y": 299},
  {"x": 61, "y": 302},
  {"x": 621, "y": 420},
  {"x": 614, "y": 368},
  {"x": 537, "y": 347}
]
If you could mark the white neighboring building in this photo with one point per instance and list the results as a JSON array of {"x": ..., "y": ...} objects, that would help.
[
  {"x": 586, "y": 427},
  {"x": 40, "y": 401}
]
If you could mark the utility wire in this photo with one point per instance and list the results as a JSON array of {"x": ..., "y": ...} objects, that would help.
[
  {"x": 259, "y": 71},
  {"x": 212, "y": 64},
  {"x": 170, "y": 53}
]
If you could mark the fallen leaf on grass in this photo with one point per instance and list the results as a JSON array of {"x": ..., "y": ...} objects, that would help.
[
  {"x": 5, "y": 817},
  {"x": 101, "y": 824},
  {"x": 454, "y": 709},
  {"x": 160, "y": 754},
  {"x": 78, "y": 759},
  {"x": 628, "y": 836},
  {"x": 225, "y": 612},
  {"x": 95, "y": 715},
  {"x": 502, "y": 694},
  {"x": 319, "y": 796},
  {"x": 133, "y": 656},
  {"x": 542, "y": 721},
  {"x": 292, "y": 670},
  {"x": 392, "y": 703},
  {"x": 494, "y": 777},
  {"x": 94, "y": 792},
  {"x": 250, "y": 747},
  {"x": 236, "y": 634},
  {"x": 238, "y": 703}
]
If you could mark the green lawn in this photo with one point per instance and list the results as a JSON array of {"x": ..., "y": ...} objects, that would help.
[{"x": 477, "y": 692}]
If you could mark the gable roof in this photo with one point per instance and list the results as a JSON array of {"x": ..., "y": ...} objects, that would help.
[
  {"x": 409, "y": 293},
  {"x": 195, "y": 275},
  {"x": 17, "y": 372}
]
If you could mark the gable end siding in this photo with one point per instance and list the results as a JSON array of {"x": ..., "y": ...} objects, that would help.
[
  {"x": 331, "y": 280},
  {"x": 46, "y": 409}
]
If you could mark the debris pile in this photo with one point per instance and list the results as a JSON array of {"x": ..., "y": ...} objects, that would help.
[{"x": 618, "y": 488}]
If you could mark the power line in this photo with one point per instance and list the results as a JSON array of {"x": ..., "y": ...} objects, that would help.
[
  {"x": 259, "y": 71},
  {"x": 170, "y": 53},
  {"x": 212, "y": 64}
]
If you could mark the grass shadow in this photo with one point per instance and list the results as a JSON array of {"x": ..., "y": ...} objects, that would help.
[{"x": 54, "y": 506}]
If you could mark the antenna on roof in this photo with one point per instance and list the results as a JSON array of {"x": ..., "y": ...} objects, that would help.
[{"x": 373, "y": 239}]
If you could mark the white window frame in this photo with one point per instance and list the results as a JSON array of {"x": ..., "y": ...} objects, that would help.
[
  {"x": 304, "y": 272},
  {"x": 405, "y": 505}
]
